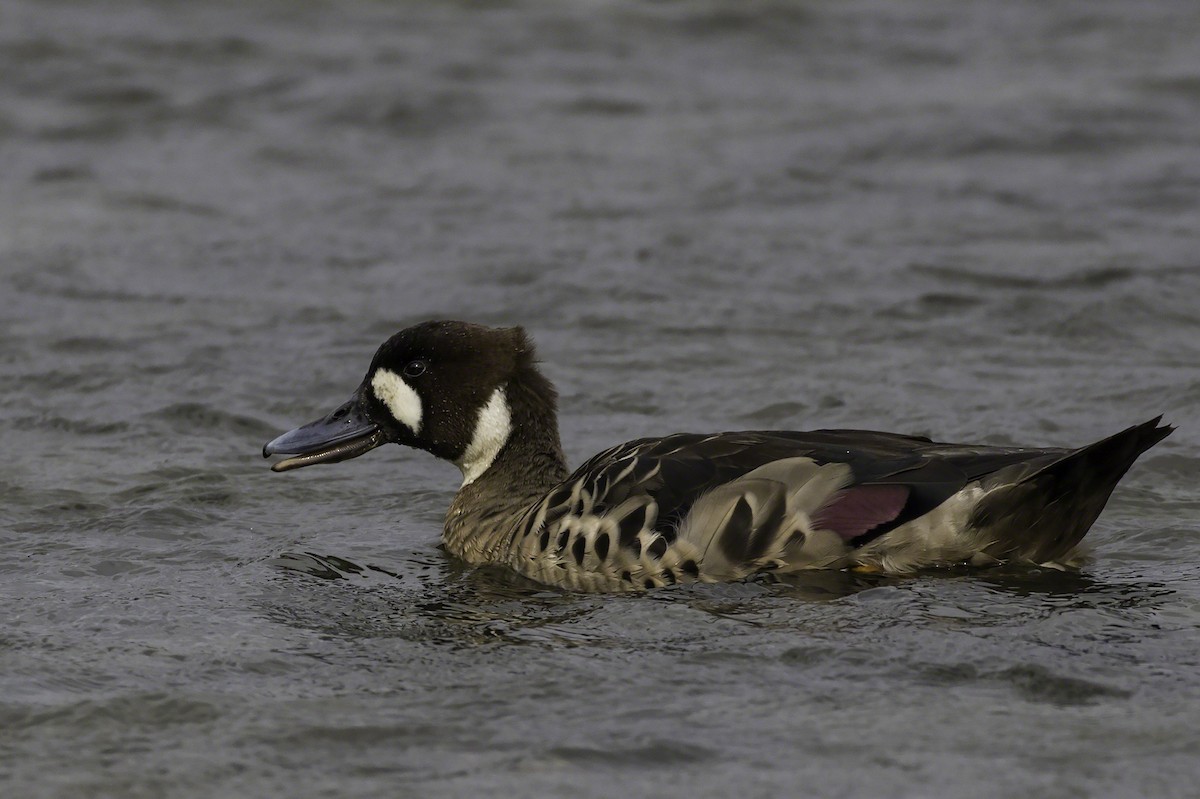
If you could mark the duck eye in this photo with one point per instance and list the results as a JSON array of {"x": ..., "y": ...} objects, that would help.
[{"x": 415, "y": 368}]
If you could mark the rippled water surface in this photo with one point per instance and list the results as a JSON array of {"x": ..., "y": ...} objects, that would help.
[{"x": 977, "y": 221}]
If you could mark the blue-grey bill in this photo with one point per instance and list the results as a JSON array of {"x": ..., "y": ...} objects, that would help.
[{"x": 343, "y": 434}]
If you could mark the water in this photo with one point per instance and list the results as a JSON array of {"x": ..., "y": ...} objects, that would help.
[{"x": 975, "y": 221}]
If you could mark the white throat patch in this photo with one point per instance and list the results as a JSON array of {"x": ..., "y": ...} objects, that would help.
[
  {"x": 401, "y": 400},
  {"x": 492, "y": 430}
]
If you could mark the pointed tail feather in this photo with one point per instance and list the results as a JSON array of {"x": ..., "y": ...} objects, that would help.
[
  {"x": 1047, "y": 513},
  {"x": 1107, "y": 460}
]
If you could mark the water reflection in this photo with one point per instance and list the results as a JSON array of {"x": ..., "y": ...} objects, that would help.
[
  {"x": 441, "y": 600},
  {"x": 1078, "y": 588},
  {"x": 326, "y": 567},
  {"x": 825, "y": 585}
]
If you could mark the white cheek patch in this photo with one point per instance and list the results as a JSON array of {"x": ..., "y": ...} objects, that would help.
[
  {"x": 492, "y": 429},
  {"x": 401, "y": 400}
]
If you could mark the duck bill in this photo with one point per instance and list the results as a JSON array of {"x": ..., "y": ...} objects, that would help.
[{"x": 344, "y": 434}]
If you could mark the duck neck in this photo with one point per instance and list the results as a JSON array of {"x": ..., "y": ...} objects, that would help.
[{"x": 514, "y": 459}]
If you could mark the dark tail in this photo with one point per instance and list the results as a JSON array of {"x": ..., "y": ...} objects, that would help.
[
  {"x": 1099, "y": 466},
  {"x": 1061, "y": 501}
]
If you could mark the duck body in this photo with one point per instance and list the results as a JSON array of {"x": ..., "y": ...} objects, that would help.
[{"x": 695, "y": 507}]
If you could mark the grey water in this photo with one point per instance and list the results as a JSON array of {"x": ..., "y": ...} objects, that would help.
[{"x": 977, "y": 221}]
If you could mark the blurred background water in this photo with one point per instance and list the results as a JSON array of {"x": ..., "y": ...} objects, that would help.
[{"x": 976, "y": 221}]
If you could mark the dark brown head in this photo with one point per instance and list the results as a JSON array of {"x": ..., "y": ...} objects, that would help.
[{"x": 444, "y": 387}]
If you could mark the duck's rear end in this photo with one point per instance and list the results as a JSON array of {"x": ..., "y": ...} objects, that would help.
[
  {"x": 1036, "y": 509},
  {"x": 1042, "y": 515}
]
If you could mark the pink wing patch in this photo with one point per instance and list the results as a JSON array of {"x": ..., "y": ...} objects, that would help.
[{"x": 861, "y": 508}]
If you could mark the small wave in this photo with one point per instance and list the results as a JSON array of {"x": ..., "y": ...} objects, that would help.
[
  {"x": 775, "y": 413},
  {"x": 62, "y": 173},
  {"x": 413, "y": 116},
  {"x": 78, "y": 427},
  {"x": 144, "y": 201},
  {"x": 327, "y": 567},
  {"x": 933, "y": 305},
  {"x": 653, "y": 754},
  {"x": 1087, "y": 278},
  {"x": 87, "y": 345},
  {"x": 191, "y": 417},
  {"x": 119, "y": 95},
  {"x": 604, "y": 107},
  {"x": 1039, "y": 684},
  {"x": 151, "y": 710},
  {"x": 217, "y": 50}
]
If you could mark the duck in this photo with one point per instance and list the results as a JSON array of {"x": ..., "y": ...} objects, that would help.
[{"x": 696, "y": 507}]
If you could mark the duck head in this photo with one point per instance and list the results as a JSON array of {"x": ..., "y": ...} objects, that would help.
[{"x": 438, "y": 386}]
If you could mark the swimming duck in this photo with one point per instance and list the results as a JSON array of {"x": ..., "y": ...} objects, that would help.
[{"x": 693, "y": 507}]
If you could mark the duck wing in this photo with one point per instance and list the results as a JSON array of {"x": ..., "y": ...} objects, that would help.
[
  {"x": 677, "y": 470},
  {"x": 716, "y": 507}
]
